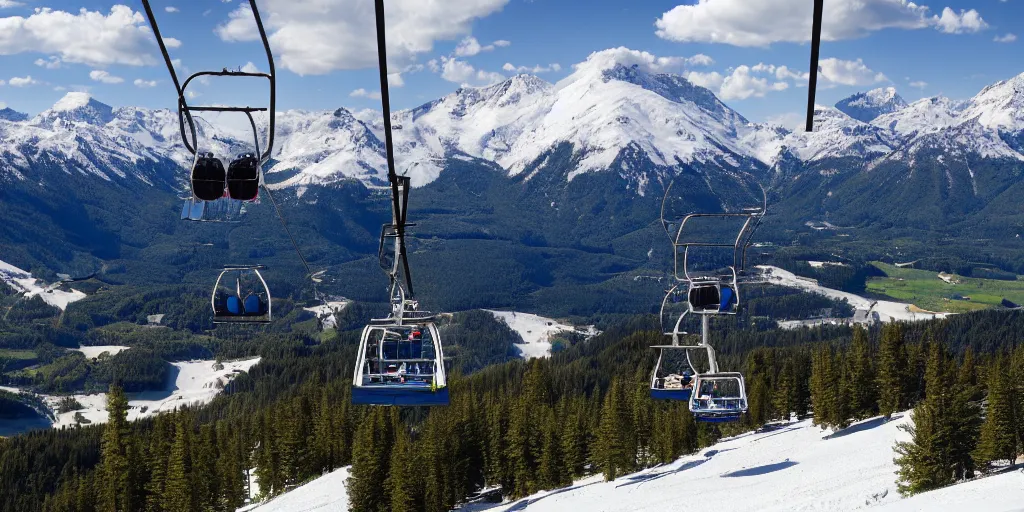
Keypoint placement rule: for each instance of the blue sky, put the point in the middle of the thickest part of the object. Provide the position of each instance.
(325, 56)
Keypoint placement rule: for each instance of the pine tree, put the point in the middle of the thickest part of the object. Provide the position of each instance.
(229, 467)
(783, 396)
(1017, 378)
(204, 468)
(402, 481)
(115, 491)
(860, 376)
(892, 373)
(999, 432)
(550, 470)
(158, 455)
(823, 387)
(324, 436)
(178, 494)
(574, 439)
(611, 451)
(371, 454)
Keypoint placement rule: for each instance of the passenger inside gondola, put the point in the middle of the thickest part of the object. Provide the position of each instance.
(208, 178)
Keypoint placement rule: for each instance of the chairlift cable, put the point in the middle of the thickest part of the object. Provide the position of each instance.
(815, 47)
(295, 244)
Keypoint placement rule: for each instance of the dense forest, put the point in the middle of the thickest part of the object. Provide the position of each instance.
(527, 426)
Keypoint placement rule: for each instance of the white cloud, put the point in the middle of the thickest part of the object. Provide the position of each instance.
(965, 22)
(535, 69)
(98, 75)
(171, 42)
(363, 93)
(2, 83)
(52, 63)
(742, 84)
(432, 64)
(746, 22)
(249, 67)
(144, 83)
(22, 81)
(8, 3)
(328, 35)
(648, 62)
(848, 72)
(463, 73)
(395, 80)
(88, 37)
(488, 77)
(171, 8)
(918, 84)
(192, 95)
(1008, 38)
(455, 70)
(712, 80)
(469, 47)
(789, 120)
(60, 88)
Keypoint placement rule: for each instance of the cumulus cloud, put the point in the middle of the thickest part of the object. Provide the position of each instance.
(742, 84)
(52, 63)
(22, 81)
(327, 35)
(144, 83)
(363, 93)
(469, 46)
(98, 75)
(918, 84)
(952, 22)
(171, 8)
(249, 67)
(395, 80)
(743, 22)
(535, 69)
(710, 80)
(463, 73)
(648, 62)
(171, 42)
(1008, 38)
(88, 37)
(848, 72)
(8, 3)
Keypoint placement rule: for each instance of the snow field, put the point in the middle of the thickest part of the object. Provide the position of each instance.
(537, 331)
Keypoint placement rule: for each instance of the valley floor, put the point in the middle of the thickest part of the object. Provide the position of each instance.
(795, 466)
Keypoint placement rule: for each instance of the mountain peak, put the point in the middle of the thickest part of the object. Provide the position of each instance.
(9, 114)
(866, 106)
(80, 107)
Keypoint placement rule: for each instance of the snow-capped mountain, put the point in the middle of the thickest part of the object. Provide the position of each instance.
(617, 111)
(866, 106)
(8, 114)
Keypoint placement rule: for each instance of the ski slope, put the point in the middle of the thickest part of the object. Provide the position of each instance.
(23, 282)
(792, 467)
(537, 331)
(93, 352)
(888, 311)
(195, 383)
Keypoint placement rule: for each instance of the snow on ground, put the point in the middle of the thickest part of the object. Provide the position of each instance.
(23, 282)
(95, 351)
(537, 331)
(327, 312)
(793, 467)
(196, 382)
(888, 311)
(327, 493)
(1003, 492)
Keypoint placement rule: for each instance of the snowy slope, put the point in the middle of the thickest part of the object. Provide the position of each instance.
(95, 351)
(537, 332)
(23, 282)
(196, 382)
(793, 467)
(887, 311)
(327, 493)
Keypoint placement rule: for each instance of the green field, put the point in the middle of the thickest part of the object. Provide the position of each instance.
(7, 353)
(924, 289)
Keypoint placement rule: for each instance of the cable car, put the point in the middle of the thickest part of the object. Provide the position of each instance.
(400, 364)
(214, 180)
(711, 290)
(241, 296)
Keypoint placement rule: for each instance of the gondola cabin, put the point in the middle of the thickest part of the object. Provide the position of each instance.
(718, 397)
(241, 296)
(671, 379)
(400, 365)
